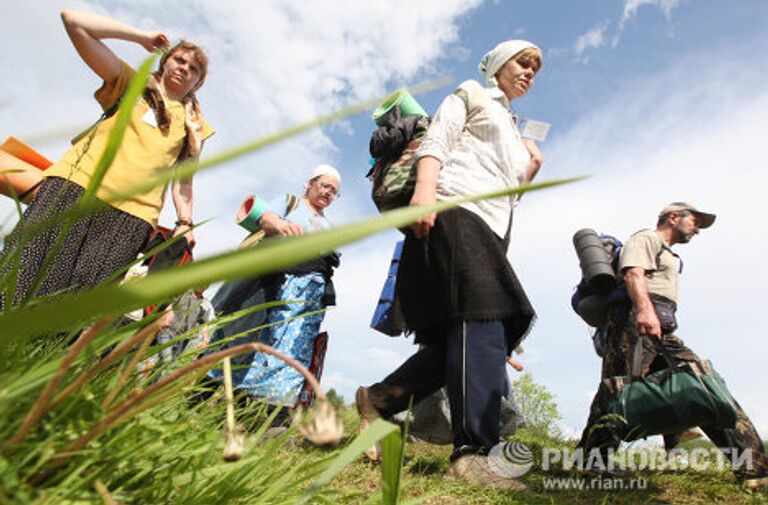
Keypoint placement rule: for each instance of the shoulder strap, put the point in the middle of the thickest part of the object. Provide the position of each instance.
(469, 92)
(462, 93)
(104, 115)
(665, 247)
(291, 203)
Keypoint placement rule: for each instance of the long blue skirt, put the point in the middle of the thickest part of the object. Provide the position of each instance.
(292, 333)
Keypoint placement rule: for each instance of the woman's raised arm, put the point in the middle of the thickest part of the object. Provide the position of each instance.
(86, 30)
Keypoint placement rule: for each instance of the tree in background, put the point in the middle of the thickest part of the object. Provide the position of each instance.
(537, 405)
(335, 399)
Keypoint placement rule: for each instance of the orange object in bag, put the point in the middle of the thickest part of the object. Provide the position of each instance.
(21, 169)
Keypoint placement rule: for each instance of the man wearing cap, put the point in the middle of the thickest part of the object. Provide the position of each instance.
(651, 271)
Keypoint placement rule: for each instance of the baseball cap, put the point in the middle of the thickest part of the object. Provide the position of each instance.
(705, 218)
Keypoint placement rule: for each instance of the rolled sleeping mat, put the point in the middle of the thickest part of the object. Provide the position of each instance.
(402, 99)
(250, 212)
(21, 168)
(595, 261)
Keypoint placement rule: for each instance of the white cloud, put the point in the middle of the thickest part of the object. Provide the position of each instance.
(272, 64)
(632, 6)
(594, 38)
(338, 381)
(386, 357)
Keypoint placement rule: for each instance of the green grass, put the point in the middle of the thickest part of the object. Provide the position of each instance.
(426, 464)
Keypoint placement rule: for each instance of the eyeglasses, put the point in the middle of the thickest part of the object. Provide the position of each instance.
(329, 188)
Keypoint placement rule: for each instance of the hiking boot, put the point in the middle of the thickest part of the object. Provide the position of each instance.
(474, 469)
(689, 435)
(755, 483)
(368, 414)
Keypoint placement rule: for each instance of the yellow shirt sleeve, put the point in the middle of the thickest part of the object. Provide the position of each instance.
(110, 92)
(207, 130)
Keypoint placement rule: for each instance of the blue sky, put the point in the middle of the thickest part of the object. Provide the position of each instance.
(658, 100)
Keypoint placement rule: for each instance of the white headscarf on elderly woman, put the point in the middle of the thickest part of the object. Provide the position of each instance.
(321, 170)
(498, 56)
(325, 169)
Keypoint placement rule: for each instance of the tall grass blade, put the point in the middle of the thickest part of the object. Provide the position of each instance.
(392, 461)
(375, 432)
(269, 257)
(189, 168)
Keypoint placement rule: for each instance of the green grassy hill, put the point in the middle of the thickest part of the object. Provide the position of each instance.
(426, 464)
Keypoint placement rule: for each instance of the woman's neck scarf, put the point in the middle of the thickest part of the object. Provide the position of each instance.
(193, 118)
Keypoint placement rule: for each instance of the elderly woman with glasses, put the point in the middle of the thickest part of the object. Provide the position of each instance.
(291, 327)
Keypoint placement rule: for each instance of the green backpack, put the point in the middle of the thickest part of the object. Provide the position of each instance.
(394, 178)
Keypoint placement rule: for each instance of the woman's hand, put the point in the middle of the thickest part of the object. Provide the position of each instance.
(86, 30)
(423, 196)
(152, 41)
(425, 193)
(272, 224)
(186, 230)
(537, 159)
(518, 366)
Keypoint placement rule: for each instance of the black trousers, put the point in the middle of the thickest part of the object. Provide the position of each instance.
(471, 363)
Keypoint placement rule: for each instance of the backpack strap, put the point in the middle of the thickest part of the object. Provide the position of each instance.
(665, 247)
(291, 203)
(637, 358)
(472, 94)
(104, 116)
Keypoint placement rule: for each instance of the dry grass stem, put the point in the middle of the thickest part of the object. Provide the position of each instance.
(106, 498)
(233, 449)
(121, 410)
(132, 364)
(43, 402)
(110, 358)
(235, 444)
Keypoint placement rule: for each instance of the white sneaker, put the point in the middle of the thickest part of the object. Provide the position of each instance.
(474, 469)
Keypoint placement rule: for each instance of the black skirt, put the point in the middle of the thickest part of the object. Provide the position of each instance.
(96, 246)
(460, 272)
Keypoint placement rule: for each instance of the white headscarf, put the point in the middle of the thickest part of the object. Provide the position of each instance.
(498, 56)
(325, 169)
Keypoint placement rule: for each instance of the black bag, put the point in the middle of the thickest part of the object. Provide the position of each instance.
(671, 400)
(665, 310)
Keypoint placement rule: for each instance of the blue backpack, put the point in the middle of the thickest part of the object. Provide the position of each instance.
(593, 303)
(387, 319)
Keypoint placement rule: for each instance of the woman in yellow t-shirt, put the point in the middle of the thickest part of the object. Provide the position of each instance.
(166, 127)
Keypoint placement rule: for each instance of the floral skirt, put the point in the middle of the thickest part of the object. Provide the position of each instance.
(94, 248)
(290, 331)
